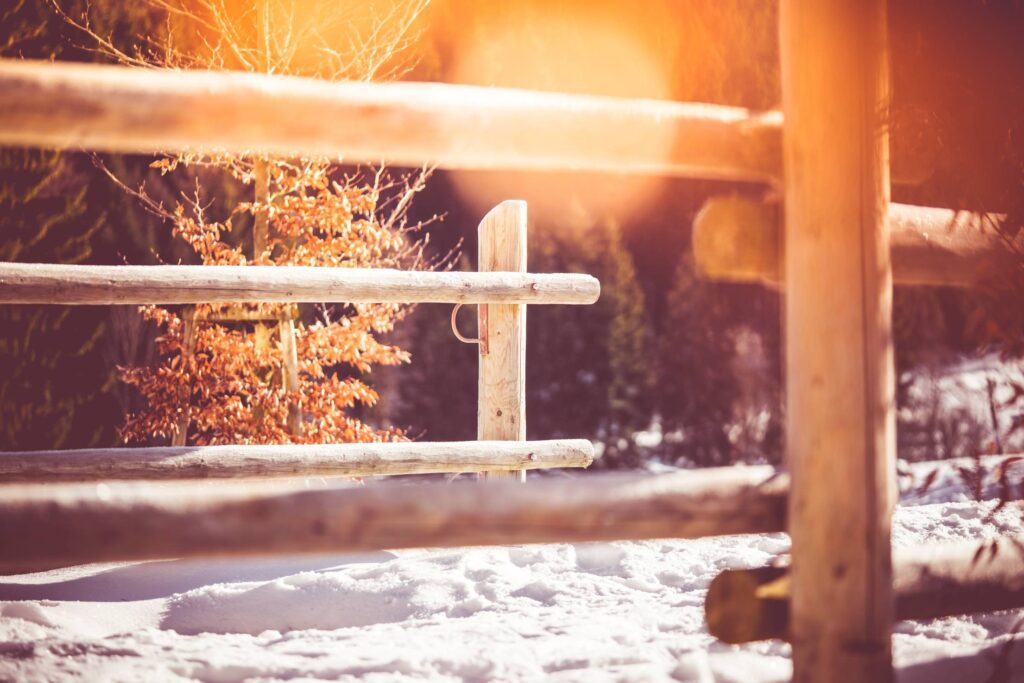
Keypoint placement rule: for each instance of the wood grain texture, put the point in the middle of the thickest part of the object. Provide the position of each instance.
(290, 374)
(840, 403)
(226, 462)
(120, 109)
(501, 400)
(47, 524)
(930, 582)
(946, 579)
(739, 240)
(189, 334)
(39, 283)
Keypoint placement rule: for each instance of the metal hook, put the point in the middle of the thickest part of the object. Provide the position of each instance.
(482, 341)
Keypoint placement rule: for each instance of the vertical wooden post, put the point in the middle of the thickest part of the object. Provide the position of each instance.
(261, 172)
(839, 364)
(290, 374)
(190, 321)
(501, 406)
(261, 232)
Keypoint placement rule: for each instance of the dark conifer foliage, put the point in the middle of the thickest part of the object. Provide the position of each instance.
(56, 374)
(44, 217)
(434, 397)
(588, 368)
(696, 388)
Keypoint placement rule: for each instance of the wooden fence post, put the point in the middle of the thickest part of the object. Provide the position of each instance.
(290, 374)
(501, 402)
(840, 422)
(190, 322)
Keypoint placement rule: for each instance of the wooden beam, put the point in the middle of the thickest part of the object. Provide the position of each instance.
(747, 605)
(840, 386)
(290, 381)
(39, 283)
(930, 582)
(501, 386)
(353, 459)
(943, 580)
(46, 524)
(191, 337)
(739, 240)
(120, 109)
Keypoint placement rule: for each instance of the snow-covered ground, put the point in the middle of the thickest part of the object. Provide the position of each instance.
(948, 408)
(605, 612)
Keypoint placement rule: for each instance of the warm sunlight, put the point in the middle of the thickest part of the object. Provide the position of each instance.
(512, 341)
(584, 53)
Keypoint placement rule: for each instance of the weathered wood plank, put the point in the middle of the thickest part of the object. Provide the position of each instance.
(190, 336)
(930, 582)
(120, 109)
(46, 524)
(738, 240)
(39, 283)
(290, 380)
(840, 402)
(501, 399)
(355, 459)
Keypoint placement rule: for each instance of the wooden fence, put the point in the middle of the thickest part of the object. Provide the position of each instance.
(503, 289)
(58, 524)
(38, 283)
(837, 601)
(235, 462)
(739, 240)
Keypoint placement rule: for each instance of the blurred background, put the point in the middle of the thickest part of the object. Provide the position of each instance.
(666, 368)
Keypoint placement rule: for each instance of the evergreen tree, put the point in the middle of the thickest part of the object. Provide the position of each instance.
(588, 372)
(435, 396)
(696, 387)
(54, 383)
(50, 358)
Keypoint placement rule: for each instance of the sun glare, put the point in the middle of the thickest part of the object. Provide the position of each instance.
(593, 56)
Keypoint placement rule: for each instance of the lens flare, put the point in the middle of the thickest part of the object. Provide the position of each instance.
(555, 53)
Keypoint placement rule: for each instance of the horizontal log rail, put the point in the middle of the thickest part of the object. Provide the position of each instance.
(38, 283)
(932, 581)
(736, 239)
(355, 459)
(49, 524)
(123, 109)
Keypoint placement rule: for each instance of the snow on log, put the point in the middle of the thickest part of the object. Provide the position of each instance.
(933, 581)
(121, 109)
(47, 524)
(353, 459)
(737, 239)
(965, 578)
(40, 283)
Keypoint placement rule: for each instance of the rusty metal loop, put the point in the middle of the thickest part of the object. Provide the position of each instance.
(455, 327)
